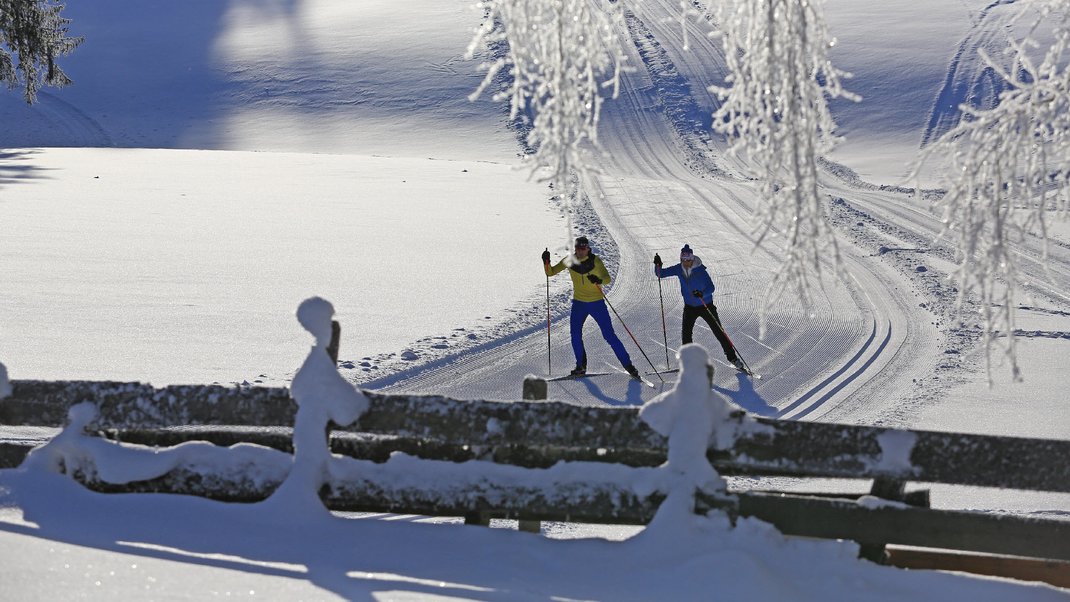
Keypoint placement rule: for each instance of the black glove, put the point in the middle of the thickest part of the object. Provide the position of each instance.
(594, 279)
(657, 260)
(546, 256)
(696, 294)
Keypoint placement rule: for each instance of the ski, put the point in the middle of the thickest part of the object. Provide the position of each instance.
(576, 376)
(640, 379)
(746, 370)
(643, 380)
(617, 370)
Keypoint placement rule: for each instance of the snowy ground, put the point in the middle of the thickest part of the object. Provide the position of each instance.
(388, 193)
(198, 279)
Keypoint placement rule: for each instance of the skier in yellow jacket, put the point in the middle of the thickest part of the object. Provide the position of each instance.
(588, 275)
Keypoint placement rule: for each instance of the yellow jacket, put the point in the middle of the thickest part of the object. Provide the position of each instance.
(582, 288)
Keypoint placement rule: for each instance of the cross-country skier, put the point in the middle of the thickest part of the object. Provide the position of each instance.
(588, 274)
(697, 288)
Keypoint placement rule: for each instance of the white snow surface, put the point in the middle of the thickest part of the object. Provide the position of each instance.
(216, 163)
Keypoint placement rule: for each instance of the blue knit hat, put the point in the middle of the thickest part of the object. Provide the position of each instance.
(686, 253)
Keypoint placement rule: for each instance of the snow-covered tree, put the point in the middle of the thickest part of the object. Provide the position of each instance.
(775, 109)
(32, 35)
(1010, 168)
(1010, 162)
(559, 55)
(561, 52)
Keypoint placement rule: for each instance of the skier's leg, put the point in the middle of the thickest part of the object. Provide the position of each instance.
(576, 320)
(600, 313)
(714, 321)
(687, 324)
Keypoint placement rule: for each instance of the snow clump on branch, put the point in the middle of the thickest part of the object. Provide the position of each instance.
(560, 53)
(1010, 168)
(775, 107)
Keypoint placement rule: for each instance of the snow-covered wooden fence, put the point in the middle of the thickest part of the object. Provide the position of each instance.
(438, 456)
(324, 443)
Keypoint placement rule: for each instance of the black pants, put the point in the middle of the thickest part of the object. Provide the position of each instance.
(708, 313)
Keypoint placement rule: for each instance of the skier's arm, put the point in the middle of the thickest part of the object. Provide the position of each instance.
(673, 270)
(601, 271)
(554, 269)
(704, 286)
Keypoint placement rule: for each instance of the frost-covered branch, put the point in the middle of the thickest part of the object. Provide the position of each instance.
(775, 107)
(1010, 168)
(560, 55)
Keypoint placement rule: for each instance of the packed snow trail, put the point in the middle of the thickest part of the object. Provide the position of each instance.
(878, 340)
(661, 185)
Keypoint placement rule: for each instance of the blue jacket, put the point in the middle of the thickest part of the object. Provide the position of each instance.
(698, 280)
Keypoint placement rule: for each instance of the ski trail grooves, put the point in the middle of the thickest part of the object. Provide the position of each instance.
(658, 188)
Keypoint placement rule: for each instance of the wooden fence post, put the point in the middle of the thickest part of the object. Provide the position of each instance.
(887, 489)
(336, 336)
(535, 389)
(332, 351)
(529, 526)
(477, 518)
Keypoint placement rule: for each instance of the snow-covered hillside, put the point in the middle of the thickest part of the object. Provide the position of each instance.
(217, 162)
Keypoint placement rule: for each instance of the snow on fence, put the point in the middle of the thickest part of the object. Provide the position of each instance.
(513, 460)
(533, 460)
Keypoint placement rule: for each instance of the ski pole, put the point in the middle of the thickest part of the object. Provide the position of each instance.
(725, 333)
(549, 364)
(628, 330)
(664, 331)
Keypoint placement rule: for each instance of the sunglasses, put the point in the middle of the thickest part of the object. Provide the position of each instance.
(582, 247)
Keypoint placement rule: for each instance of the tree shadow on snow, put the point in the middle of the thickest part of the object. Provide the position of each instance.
(171, 88)
(17, 166)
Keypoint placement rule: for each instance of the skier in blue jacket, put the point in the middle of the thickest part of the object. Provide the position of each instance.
(697, 288)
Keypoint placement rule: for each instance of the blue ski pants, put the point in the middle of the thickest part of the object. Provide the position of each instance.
(600, 313)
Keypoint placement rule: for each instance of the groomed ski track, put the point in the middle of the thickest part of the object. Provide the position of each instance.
(864, 343)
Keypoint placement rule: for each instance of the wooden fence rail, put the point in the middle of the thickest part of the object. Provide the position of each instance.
(533, 437)
(539, 433)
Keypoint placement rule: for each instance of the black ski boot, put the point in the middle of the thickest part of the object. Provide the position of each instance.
(631, 369)
(581, 367)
